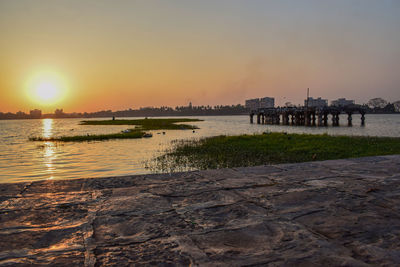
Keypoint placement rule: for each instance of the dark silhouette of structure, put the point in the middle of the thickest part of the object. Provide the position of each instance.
(306, 116)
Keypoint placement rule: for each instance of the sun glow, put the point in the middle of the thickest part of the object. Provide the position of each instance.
(47, 91)
(46, 88)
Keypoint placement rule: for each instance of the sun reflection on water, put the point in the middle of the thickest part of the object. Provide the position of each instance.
(49, 151)
(47, 127)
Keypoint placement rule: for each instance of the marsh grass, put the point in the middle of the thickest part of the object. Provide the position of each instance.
(99, 137)
(149, 124)
(270, 148)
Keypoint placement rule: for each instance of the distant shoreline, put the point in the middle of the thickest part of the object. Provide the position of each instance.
(151, 116)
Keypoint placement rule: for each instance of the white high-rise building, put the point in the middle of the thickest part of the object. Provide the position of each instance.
(255, 103)
(342, 102)
(316, 102)
(267, 102)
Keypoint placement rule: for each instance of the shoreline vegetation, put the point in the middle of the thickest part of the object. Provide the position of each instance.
(141, 125)
(268, 148)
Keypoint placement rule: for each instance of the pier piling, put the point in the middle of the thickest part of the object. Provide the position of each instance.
(362, 119)
(349, 119)
(306, 116)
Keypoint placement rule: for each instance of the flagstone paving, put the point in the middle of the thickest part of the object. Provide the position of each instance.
(334, 213)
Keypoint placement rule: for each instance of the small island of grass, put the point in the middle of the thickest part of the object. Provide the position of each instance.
(149, 124)
(133, 134)
(142, 125)
(270, 148)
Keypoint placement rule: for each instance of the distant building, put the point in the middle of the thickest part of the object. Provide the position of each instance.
(316, 102)
(255, 103)
(36, 113)
(267, 102)
(20, 114)
(342, 102)
(59, 113)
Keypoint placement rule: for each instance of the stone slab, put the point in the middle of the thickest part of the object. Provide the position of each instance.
(334, 213)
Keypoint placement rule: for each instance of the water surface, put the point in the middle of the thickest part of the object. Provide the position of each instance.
(23, 160)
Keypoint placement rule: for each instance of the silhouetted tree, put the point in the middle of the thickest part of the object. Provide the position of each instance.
(396, 106)
(377, 103)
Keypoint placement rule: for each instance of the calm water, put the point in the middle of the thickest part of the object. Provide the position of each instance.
(23, 160)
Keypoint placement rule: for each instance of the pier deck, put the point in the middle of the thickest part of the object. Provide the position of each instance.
(306, 116)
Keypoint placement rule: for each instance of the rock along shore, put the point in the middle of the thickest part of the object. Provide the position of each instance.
(334, 213)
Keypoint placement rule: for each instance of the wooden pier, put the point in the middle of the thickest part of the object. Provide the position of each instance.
(306, 116)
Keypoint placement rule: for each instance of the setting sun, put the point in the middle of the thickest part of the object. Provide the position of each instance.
(47, 91)
(46, 88)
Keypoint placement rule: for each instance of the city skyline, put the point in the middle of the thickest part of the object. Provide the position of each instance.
(380, 104)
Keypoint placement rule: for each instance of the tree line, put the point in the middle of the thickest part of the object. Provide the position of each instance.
(218, 110)
(380, 105)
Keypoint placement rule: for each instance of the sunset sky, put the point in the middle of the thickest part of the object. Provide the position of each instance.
(95, 55)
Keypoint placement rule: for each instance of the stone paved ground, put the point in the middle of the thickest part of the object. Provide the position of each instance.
(333, 213)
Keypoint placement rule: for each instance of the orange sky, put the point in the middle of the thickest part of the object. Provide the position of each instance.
(123, 54)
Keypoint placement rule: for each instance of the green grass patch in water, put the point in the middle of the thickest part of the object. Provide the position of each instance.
(270, 148)
(141, 126)
(98, 137)
(149, 124)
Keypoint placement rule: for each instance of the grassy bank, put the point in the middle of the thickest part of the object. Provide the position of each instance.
(98, 137)
(272, 148)
(149, 124)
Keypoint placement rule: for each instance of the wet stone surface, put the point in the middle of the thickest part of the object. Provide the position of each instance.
(334, 213)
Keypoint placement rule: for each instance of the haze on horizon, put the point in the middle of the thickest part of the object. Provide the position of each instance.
(129, 54)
